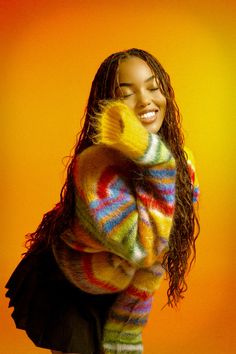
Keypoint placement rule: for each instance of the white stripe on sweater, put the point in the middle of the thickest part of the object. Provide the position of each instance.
(150, 155)
(123, 347)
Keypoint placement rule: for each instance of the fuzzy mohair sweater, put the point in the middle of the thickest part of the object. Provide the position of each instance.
(125, 202)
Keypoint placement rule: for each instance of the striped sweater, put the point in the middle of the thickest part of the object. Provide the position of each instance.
(125, 199)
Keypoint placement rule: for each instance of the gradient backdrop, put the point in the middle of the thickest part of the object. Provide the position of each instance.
(50, 51)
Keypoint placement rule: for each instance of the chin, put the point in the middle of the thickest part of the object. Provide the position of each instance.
(153, 129)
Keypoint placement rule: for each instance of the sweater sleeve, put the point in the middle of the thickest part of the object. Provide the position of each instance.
(129, 314)
(118, 127)
(131, 220)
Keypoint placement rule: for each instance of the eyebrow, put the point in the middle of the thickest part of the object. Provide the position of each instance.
(129, 84)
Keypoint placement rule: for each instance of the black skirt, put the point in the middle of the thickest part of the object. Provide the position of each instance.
(54, 313)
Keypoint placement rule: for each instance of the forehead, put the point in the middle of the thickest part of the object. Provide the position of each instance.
(134, 69)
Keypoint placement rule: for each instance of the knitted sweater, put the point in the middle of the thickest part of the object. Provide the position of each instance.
(125, 198)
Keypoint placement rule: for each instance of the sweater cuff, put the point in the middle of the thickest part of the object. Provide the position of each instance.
(118, 127)
(123, 348)
(124, 342)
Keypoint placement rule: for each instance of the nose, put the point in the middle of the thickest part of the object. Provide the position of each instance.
(143, 99)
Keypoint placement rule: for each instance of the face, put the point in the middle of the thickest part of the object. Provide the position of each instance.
(139, 89)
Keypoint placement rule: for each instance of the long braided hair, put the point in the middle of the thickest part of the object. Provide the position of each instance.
(182, 252)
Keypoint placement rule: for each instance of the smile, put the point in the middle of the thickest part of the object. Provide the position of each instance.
(148, 116)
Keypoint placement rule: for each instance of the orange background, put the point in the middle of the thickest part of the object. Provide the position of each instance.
(50, 51)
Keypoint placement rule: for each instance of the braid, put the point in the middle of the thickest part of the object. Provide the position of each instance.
(182, 251)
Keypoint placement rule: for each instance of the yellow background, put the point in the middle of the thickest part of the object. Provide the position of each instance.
(50, 51)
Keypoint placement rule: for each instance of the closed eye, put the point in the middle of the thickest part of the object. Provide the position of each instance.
(154, 88)
(126, 96)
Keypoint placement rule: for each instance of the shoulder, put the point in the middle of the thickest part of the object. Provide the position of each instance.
(190, 157)
(191, 163)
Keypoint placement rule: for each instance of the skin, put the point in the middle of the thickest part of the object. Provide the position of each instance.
(139, 89)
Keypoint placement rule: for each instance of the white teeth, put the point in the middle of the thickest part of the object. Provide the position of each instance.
(147, 115)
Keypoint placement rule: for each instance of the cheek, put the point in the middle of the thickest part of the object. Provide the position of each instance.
(130, 102)
(162, 102)
(160, 99)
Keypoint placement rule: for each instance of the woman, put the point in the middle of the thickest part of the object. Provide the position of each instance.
(126, 216)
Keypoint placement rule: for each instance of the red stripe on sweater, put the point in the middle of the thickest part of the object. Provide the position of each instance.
(191, 173)
(160, 205)
(105, 179)
(144, 295)
(110, 201)
(86, 261)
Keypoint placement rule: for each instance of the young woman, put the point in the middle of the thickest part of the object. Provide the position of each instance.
(126, 216)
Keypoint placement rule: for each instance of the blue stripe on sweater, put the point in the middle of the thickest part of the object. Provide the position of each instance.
(111, 207)
(110, 200)
(168, 187)
(168, 198)
(110, 224)
(114, 191)
(195, 194)
(165, 173)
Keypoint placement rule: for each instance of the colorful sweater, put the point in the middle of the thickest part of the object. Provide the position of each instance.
(125, 198)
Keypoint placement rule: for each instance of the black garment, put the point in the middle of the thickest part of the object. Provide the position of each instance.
(54, 313)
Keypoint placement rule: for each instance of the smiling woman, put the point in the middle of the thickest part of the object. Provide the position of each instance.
(126, 216)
